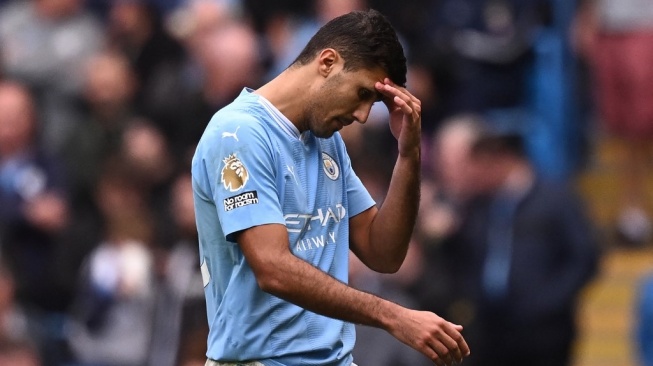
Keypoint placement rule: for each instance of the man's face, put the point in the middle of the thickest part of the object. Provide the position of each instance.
(487, 173)
(344, 97)
(15, 120)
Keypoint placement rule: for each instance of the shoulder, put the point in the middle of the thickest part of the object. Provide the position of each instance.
(245, 111)
(238, 131)
(237, 127)
(238, 120)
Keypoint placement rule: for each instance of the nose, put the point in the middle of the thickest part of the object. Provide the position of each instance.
(362, 112)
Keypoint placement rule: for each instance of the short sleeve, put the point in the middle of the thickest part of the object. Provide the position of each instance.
(239, 161)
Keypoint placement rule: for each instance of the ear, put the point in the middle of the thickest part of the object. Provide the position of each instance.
(328, 60)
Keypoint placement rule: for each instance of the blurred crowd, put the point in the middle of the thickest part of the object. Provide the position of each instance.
(102, 102)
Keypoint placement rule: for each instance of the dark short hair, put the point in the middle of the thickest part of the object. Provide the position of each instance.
(365, 39)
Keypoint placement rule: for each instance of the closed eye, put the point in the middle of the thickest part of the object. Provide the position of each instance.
(366, 95)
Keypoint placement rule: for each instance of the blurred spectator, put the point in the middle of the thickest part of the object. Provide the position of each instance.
(524, 251)
(110, 127)
(226, 57)
(197, 17)
(111, 320)
(33, 203)
(136, 29)
(288, 29)
(165, 7)
(487, 49)
(180, 308)
(149, 160)
(131, 194)
(45, 43)
(446, 189)
(644, 320)
(616, 39)
(107, 108)
(34, 213)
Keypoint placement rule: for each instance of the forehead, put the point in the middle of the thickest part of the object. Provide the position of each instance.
(366, 76)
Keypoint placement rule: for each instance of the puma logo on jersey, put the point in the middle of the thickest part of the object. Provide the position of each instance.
(234, 175)
(231, 134)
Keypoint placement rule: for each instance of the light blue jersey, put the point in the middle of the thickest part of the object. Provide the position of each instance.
(253, 167)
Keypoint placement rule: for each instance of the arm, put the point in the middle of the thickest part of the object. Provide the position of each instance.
(380, 237)
(280, 273)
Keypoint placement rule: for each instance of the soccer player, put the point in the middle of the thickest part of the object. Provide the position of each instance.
(278, 207)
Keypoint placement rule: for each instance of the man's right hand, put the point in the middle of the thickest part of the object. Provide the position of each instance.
(440, 340)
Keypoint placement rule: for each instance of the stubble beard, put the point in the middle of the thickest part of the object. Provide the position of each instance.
(319, 127)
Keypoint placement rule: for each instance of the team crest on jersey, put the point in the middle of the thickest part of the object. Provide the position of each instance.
(234, 175)
(330, 166)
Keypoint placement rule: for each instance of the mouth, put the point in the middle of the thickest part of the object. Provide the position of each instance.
(344, 122)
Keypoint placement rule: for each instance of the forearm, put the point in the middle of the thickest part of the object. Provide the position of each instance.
(393, 225)
(302, 284)
(316, 291)
(380, 237)
(282, 274)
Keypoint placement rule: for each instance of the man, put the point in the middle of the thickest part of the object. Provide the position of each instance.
(34, 215)
(520, 259)
(279, 207)
(34, 208)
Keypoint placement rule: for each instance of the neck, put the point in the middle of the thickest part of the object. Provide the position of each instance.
(288, 92)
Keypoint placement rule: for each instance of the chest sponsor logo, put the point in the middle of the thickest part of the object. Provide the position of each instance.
(330, 166)
(234, 175)
(297, 223)
(243, 199)
(310, 240)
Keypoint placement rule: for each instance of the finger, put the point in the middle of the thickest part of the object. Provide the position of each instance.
(461, 347)
(450, 339)
(438, 361)
(448, 360)
(403, 90)
(403, 105)
(391, 90)
(408, 104)
(462, 344)
(403, 100)
(464, 347)
(432, 355)
(444, 353)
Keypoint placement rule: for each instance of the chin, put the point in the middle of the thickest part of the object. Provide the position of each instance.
(324, 134)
